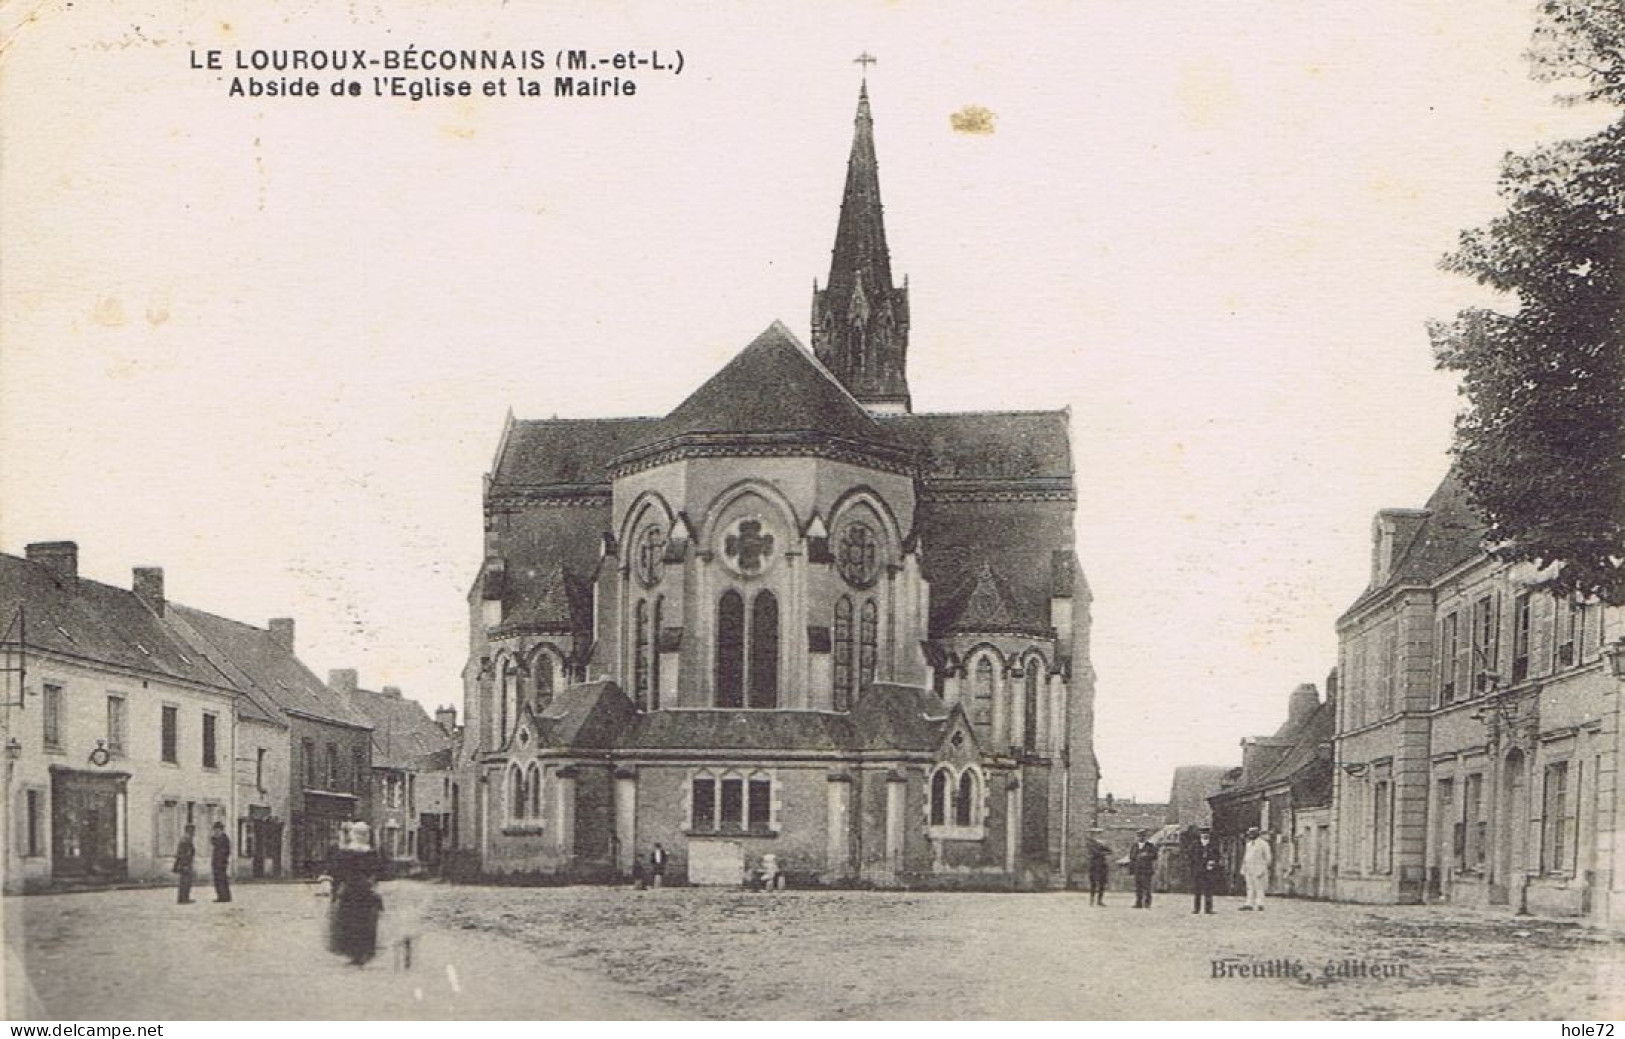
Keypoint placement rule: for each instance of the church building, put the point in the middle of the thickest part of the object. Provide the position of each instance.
(793, 621)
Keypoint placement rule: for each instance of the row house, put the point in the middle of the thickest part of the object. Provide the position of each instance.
(128, 717)
(1284, 788)
(1478, 738)
(403, 737)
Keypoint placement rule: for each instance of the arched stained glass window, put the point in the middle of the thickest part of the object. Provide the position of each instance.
(982, 704)
(533, 787)
(764, 651)
(965, 800)
(939, 797)
(1029, 706)
(730, 665)
(869, 636)
(640, 654)
(654, 656)
(842, 662)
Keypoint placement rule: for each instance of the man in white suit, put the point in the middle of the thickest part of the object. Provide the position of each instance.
(1255, 868)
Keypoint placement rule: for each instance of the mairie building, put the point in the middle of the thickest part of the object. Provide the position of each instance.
(791, 618)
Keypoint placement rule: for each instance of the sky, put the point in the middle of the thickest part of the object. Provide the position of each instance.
(269, 344)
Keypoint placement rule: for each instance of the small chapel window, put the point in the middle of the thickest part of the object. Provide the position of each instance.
(939, 797)
(965, 799)
(759, 803)
(705, 803)
(731, 810)
(533, 785)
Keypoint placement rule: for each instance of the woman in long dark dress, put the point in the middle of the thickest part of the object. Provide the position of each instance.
(353, 919)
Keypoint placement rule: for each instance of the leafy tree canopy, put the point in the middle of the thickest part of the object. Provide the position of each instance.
(1540, 444)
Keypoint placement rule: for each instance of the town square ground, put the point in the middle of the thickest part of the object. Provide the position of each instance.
(584, 952)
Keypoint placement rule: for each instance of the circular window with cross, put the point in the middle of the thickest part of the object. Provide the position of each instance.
(748, 546)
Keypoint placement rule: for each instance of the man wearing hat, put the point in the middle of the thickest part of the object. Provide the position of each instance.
(1207, 867)
(1142, 862)
(1099, 867)
(1255, 868)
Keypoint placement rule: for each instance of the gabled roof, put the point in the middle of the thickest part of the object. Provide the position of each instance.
(982, 603)
(402, 731)
(97, 622)
(273, 671)
(1013, 543)
(774, 385)
(899, 717)
(1300, 755)
(588, 716)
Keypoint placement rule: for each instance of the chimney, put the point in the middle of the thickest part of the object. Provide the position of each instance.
(282, 631)
(391, 691)
(149, 587)
(59, 557)
(342, 680)
(446, 718)
(1302, 703)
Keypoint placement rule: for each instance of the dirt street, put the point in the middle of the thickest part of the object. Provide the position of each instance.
(487, 952)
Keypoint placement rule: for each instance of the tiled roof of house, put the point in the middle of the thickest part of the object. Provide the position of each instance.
(402, 731)
(97, 622)
(274, 670)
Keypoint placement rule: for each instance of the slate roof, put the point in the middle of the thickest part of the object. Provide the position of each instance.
(1450, 533)
(402, 731)
(774, 385)
(983, 445)
(1017, 553)
(551, 556)
(97, 622)
(274, 672)
(565, 452)
(1299, 756)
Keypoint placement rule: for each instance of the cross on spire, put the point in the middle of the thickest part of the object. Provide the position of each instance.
(866, 59)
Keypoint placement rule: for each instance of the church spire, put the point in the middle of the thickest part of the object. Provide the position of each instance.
(860, 319)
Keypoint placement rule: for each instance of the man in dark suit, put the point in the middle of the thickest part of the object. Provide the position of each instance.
(220, 862)
(657, 866)
(184, 872)
(1207, 867)
(1142, 862)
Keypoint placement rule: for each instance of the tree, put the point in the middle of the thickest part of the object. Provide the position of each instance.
(1540, 444)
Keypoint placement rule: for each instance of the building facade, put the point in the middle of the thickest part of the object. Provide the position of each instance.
(407, 745)
(790, 618)
(1478, 737)
(1284, 787)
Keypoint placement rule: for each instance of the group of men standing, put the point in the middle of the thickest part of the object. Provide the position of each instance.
(1207, 869)
(219, 864)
